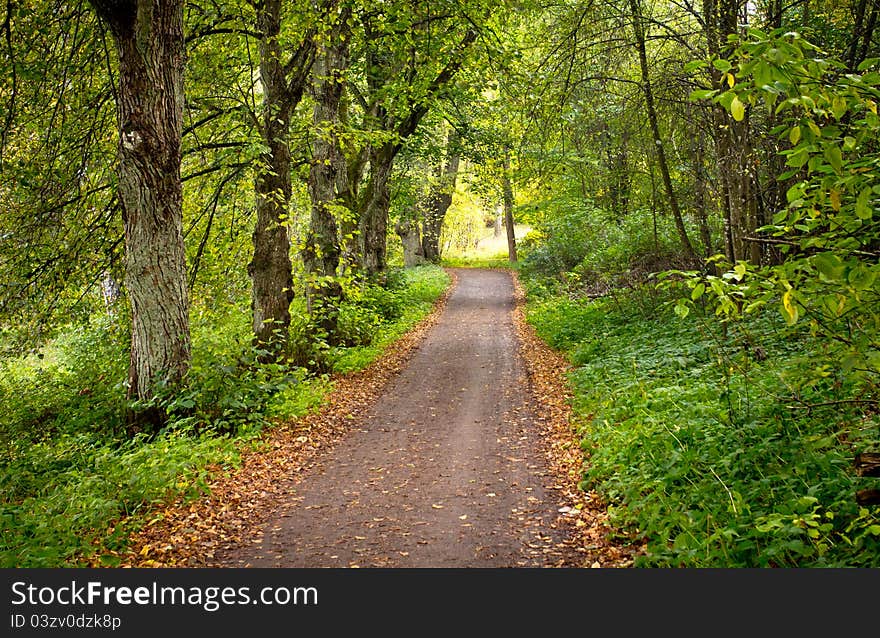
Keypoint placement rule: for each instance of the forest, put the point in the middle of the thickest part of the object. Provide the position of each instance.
(212, 211)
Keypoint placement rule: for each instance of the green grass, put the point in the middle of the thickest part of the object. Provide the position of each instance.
(478, 262)
(68, 471)
(489, 252)
(694, 436)
(414, 291)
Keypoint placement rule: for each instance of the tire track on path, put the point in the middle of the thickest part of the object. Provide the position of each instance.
(444, 470)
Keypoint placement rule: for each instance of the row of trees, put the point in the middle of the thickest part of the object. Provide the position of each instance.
(189, 150)
(631, 120)
(179, 119)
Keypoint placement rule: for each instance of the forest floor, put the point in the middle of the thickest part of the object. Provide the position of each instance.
(452, 450)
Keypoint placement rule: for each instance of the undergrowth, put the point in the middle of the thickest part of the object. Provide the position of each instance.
(69, 471)
(718, 446)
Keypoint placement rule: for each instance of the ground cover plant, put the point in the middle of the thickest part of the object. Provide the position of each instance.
(70, 469)
(719, 447)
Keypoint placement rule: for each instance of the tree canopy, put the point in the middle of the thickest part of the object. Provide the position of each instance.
(175, 169)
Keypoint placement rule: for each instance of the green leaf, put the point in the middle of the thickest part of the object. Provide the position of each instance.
(794, 135)
(789, 309)
(798, 158)
(737, 109)
(862, 277)
(702, 94)
(833, 155)
(829, 265)
(838, 106)
(794, 193)
(722, 65)
(698, 291)
(863, 210)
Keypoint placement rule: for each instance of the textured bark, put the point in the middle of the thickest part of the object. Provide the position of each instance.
(374, 204)
(440, 200)
(374, 215)
(639, 32)
(270, 269)
(700, 193)
(507, 197)
(150, 44)
(732, 142)
(328, 177)
(411, 239)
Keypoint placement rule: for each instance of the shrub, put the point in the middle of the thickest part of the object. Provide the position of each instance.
(699, 436)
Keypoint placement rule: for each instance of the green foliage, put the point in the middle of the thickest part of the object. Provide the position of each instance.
(388, 312)
(575, 242)
(73, 384)
(703, 441)
(69, 473)
(61, 496)
(828, 130)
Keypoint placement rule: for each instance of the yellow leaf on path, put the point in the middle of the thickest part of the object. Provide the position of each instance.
(437, 507)
(463, 517)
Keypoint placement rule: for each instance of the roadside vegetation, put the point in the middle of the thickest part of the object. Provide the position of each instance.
(68, 468)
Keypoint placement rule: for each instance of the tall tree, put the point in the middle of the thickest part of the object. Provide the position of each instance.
(150, 46)
(393, 64)
(328, 176)
(283, 81)
(638, 25)
(507, 199)
(440, 198)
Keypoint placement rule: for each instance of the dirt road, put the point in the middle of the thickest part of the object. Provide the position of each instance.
(445, 470)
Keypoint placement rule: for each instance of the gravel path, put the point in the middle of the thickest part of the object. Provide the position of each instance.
(443, 471)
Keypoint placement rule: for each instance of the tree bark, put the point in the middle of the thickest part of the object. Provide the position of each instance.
(271, 269)
(150, 44)
(700, 192)
(374, 215)
(410, 237)
(639, 32)
(374, 205)
(507, 197)
(328, 178)
(718, 22)
(440, 200)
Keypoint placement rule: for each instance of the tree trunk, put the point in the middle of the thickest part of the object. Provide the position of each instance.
(719, 22)
(328, 177)
(655, 130)
(734, 151)
(700, 192)
(270, 268)
(150, 43)
(373, 213)
(868, 35)
(507, 197)
(374, 217)
(440, 200)
(410, 237)
(856, 38)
